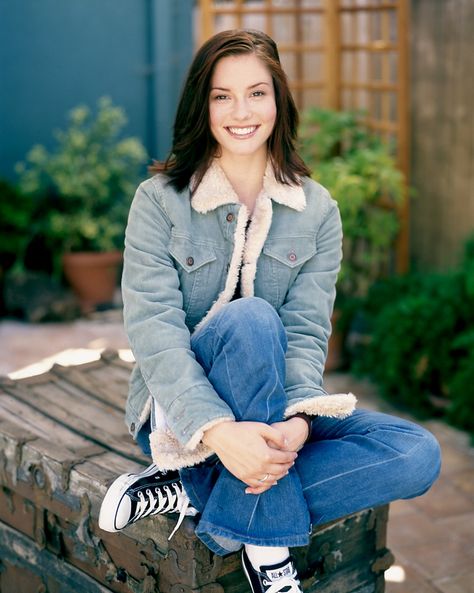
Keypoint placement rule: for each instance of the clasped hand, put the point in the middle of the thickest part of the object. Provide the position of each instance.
(251, 450)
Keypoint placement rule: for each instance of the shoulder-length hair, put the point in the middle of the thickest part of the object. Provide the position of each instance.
(193, 143)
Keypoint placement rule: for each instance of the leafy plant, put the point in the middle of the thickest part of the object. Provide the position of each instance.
(361, 175)
(412, 341)
(461, 385)
(16, 213)
(421, 349)
(85, 185)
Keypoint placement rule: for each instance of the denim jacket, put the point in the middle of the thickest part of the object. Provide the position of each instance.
(183, 256)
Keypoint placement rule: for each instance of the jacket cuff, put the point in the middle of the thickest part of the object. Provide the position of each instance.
(192, 410)
(168, 453)
(339, 405)
(195, 440)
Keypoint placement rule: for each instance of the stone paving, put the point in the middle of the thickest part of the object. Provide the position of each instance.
(432, 537)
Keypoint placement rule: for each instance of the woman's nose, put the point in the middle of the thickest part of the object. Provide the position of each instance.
(241, 109)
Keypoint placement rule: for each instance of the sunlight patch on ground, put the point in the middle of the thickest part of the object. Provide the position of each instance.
(395, 574)
(69, 357)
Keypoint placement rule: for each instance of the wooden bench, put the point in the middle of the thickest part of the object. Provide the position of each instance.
(62, 439)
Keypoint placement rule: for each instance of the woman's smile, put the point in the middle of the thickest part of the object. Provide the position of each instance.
(241, 133)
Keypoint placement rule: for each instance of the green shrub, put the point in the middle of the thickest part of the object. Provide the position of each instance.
(16, 222)
(85, 185)
(422, 340)
(411, 342)
(461, 386)
(357, 167)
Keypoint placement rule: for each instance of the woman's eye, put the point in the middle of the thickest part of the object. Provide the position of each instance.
(258, 94)
(220, 97)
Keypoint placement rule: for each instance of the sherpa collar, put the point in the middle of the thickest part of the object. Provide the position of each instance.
(216, 190)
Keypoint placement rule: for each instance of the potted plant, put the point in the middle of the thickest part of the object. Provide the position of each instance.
(358, 169)
(84, 187)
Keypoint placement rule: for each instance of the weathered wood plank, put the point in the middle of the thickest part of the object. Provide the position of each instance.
(18, 550)
(48, 474)
(54, 471)
(110, 390)
(74, 382)
(20, 413)
(100, 425)
(62, 401)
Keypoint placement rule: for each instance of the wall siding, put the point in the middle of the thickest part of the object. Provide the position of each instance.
(55, 55)
(442, 161)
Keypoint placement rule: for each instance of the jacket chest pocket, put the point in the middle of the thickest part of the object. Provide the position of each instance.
(199, 272)
(279, 265)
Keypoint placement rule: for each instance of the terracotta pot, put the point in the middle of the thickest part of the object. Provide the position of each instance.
(92, 276)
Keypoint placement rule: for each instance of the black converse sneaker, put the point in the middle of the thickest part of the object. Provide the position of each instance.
(135, 496)
(278, 578)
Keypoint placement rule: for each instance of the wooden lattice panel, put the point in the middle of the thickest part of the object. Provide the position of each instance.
(340, 54)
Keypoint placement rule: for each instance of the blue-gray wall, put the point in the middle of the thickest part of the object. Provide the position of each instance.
(56, 54)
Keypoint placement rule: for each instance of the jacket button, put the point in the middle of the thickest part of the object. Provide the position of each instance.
(230, 217)
(132, 426)
(190, 261)
(292, 256)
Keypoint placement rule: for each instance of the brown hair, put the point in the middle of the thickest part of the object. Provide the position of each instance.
(193, 144)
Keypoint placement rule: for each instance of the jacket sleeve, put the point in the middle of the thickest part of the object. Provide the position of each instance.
(306, 315)
(155, 324)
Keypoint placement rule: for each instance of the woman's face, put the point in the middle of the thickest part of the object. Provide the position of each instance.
(242, 107)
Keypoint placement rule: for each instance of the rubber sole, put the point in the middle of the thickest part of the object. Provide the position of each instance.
(112, 501)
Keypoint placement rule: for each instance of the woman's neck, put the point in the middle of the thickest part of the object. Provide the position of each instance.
(245, 176)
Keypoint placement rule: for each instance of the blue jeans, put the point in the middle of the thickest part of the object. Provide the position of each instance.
(362, 461)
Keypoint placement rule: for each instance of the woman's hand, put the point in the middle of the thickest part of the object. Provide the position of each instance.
(295, 430)
(250, 451)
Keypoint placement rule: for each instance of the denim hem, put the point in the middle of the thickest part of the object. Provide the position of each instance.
(190, 491)
(211, 543)
(205, 530)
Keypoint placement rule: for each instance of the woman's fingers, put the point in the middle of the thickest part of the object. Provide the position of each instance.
(277, 469)
(257, 489)
(276, 462)
(244, 449)
(272, 479)
(273, 436)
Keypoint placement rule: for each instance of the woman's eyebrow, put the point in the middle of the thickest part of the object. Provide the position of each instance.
(220, 88)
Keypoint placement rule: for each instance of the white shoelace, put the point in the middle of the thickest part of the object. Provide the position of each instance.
(290, 581)
(173, 502)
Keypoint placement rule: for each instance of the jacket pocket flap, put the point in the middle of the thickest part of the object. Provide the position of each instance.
(190, 255)
(291, 252)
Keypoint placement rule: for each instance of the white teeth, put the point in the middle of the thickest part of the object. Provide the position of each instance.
(242, 131)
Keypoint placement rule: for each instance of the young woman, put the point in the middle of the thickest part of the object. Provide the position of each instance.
(231, 259)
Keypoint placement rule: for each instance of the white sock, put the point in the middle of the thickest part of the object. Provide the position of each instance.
(265, 555)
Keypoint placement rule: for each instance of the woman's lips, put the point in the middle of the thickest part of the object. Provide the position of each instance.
(242, 132)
